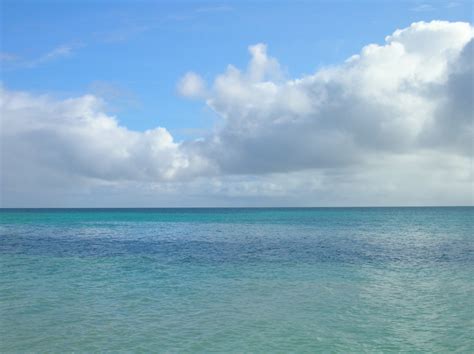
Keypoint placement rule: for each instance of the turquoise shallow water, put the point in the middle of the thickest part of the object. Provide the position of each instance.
(237, 280)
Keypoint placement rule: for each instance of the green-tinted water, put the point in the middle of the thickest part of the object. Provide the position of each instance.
(259, 280)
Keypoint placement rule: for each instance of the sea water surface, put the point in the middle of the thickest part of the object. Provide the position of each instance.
(237, 280)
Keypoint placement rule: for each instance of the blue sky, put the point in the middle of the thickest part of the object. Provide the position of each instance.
(238, 103)
(134, 52)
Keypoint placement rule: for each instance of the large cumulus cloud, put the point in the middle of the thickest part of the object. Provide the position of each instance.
(391, 125)
(76, 137)
(394, 97)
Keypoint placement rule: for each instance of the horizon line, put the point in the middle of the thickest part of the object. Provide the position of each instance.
(249, 207)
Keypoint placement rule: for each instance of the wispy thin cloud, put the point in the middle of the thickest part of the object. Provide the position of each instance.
(115, 95)
(8, 57)
(423, 8)
(175, 17)
(57, 53)
(14, 61)
(200, 11)
(217, 8)
(452, 4)
(126, 33)
(130, 30)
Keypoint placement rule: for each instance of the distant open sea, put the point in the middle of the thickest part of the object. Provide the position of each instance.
(237, 280)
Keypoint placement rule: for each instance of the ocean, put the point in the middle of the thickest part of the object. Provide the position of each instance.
(237, 280)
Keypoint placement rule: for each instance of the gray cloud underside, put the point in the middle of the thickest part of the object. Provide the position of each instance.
(391, 125)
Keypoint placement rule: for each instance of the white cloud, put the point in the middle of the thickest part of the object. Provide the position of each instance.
(384, 99)
(217, 8)
(192, 86)
(7, 57)
(12, 61)
(77, 138)
(391, 125)
(423, 8)
(62, 51)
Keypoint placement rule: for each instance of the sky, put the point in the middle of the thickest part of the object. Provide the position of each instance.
(238, 103)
